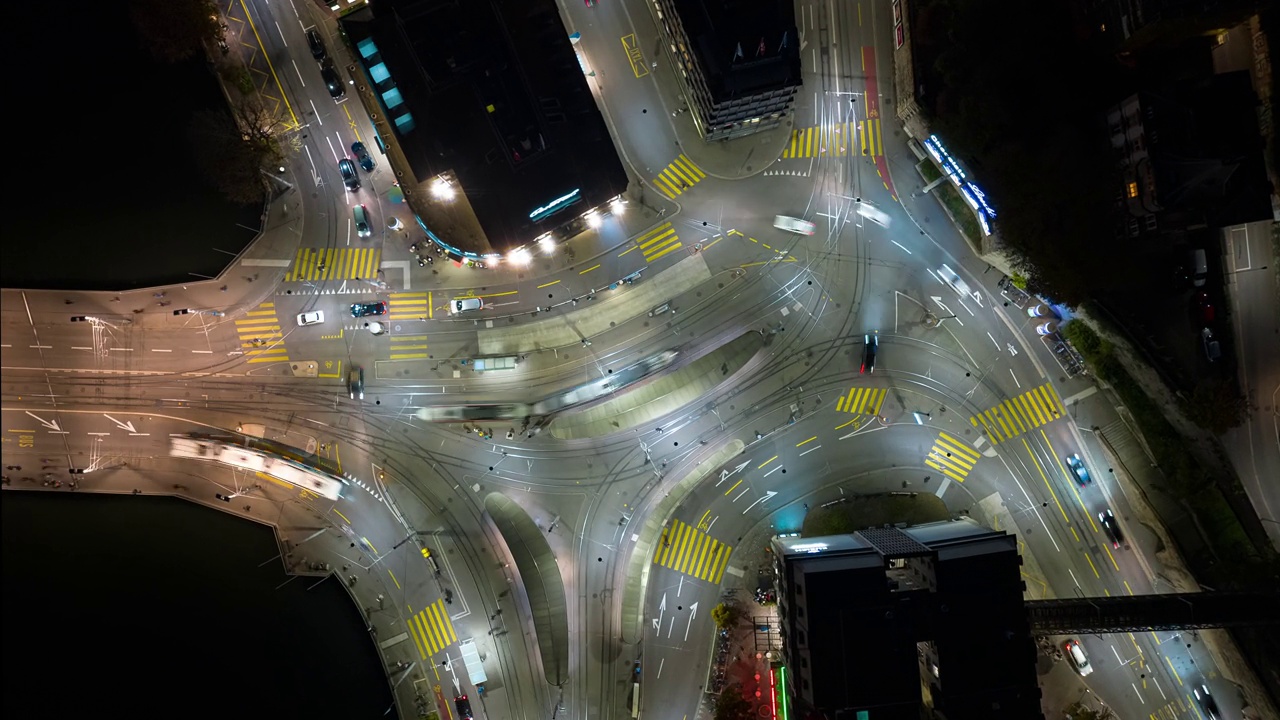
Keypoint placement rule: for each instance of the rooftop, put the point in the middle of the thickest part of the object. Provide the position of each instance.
(743, 46)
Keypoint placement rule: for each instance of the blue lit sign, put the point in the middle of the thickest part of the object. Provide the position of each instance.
(972, 193)
(984, 222)
(555, 205)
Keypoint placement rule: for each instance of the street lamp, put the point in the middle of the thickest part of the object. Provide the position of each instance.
(442, 190)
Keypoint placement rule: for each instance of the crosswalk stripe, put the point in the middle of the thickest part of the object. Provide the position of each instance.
(690, 551)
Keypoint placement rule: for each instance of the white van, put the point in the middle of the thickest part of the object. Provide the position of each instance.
(1199, 268)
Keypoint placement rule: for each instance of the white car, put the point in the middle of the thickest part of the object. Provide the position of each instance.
(795, 225)
(949, 276)
(311, 318)
(1075, 653)
(467, 304)
(874, 214)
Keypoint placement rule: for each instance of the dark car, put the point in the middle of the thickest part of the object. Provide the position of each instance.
(1111, 527)
(332, 82)
(317, 45)
(870, 345)
(350, 177)
(366, 309)
(355, 383)
(362, 156)
(463, 706)
(1212, 350)
(1079, 470)
(1207, 703)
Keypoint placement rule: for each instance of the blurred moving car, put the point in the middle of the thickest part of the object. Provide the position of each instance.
(1207, 703)
(361, 215)
(1075, 653)
(873, 213)
(795, 225)
(332, 82)
(349, 176)
(870, 345)
(954, 281)
(317, 45)
(463, 706)
(1212, 350)
(1111, 527)
(362, 156)
(355, 383)
(310, 318)
(366, 309)
(461, 305)
(1079, 470)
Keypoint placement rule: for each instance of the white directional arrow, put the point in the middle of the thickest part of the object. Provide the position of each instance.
(767, 495)
(123, 425)
(662, 609)
(51, 425)
(726, 474)
(938, 299)
(1012, 349)
(692, 615)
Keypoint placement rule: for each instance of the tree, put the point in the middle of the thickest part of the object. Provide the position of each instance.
(724, 615)
(731, 705)
(230, 163)
(175, 30)
(1080, 711)
(1217, 405)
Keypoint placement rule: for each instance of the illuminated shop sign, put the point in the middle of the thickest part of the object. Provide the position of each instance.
(972, 193)
(555, 206)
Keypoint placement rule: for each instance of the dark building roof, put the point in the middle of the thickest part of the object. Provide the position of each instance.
(868, 598)
(743, 46)
(493, 92)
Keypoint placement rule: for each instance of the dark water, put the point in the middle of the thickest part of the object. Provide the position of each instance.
(101, 191)
(146, 607)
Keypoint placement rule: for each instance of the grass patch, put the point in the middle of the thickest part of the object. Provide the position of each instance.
(928, 171)
(864, 511)
(950, 197)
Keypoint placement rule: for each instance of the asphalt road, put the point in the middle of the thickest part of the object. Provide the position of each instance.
(810, 428)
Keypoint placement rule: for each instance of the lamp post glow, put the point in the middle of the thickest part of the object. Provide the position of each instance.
(442, 189)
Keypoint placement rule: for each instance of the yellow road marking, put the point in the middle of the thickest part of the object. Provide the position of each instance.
(553, 282)
(815, 437)
(593, 267)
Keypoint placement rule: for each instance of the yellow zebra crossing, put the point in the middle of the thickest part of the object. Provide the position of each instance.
(688, 550)
(836, 140)
(260, 335)
(658, 242)
(400, 343)
(1033, 408)
(951, 457)
(862, 401)
(432, 629)
(319, 264)
(409, 306)
(677, 177)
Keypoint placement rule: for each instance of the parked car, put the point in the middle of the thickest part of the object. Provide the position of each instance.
(361, 215)
(1205, 311)
(310, 318)
(461, 305)
(795, 225)
(366, 309)
(332, 82)
(362, 156)
(355, 383)
(1111, 527)
(1079, 470)
(1077, 657)
(349, 176)
(870, 345)
(317, 45)
(1212, 350)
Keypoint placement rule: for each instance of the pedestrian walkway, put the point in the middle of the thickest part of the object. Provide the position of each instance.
(836, 140)
(401, 343)
(410, 306)
(319, 264)
(260, 335)
(657, 242)
(1033, 408)
(951, 457)
(432, 629)
(680, 175)
(688, 550)
(862, 401)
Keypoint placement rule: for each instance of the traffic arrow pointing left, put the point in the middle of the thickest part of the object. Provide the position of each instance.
(123, 425)
(51, 425)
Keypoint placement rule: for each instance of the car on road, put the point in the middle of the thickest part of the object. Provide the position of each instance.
(317, 45)
(463, 706)
(362, 156)
(315, 317)
(361, 215)
(795, 225)
(1207, 703)
(366, 309)
(873, 213)
(870, 345)
(1212, 350)
(1204, 308)
(349, 176)
(1075, 653)
(1111, 527)
(332, 82)
(1079, 470)
(461, 305)
(954, 281)
(355, 383)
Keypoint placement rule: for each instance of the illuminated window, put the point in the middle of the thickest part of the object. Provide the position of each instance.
(1133, 189)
